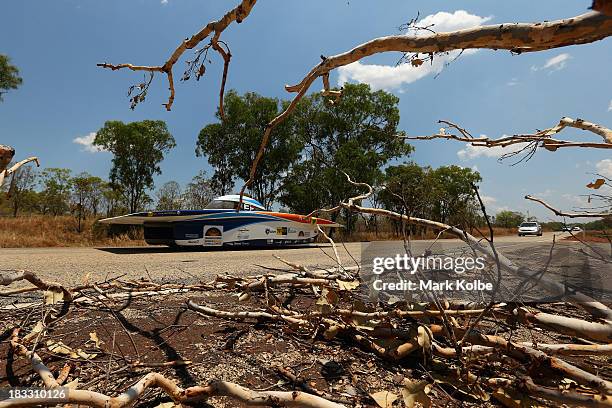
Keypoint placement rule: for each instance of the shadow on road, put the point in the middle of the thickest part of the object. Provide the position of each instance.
(167, 250)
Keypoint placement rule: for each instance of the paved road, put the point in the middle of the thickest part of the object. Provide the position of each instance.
(69, 266)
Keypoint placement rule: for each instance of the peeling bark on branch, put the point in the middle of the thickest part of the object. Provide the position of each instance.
(515, 37)
(567, 325)
(566, 397)
(603, 6)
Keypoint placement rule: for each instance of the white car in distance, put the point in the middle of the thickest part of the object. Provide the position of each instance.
(530, 228)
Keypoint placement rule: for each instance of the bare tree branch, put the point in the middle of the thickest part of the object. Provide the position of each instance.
(603, 6)
(237, 14)
(542, 138)
(568, 214)
(594, 307)
(515, 37)
(6, 173)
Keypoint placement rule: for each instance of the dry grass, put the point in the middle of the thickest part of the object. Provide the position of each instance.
(61, 231)
(386, 235)
(604, 237)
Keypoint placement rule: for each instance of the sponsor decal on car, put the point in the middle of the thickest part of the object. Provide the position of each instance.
(213, 235)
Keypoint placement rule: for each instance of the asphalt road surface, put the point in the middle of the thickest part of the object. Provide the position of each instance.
(70, 266)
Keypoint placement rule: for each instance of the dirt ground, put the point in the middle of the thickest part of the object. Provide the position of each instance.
(129, 339)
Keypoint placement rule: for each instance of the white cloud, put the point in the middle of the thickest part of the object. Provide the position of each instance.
(492, 205)
(545, 193)
(576, 201)
(444, 21)
(384, 76)
(512, 82)
(393, 77)
(604, 167)
(87, 143)
(610, 106)
(488, 200)
(472, 152)
(555, 63)
(164, 1)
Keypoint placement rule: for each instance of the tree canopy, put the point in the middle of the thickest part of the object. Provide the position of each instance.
(445, 193)
(9, 75)
(357, 135)
(138, 148)
(169, 196)
(509, 219)
(231, 144)
(56, 183)
(198, 192)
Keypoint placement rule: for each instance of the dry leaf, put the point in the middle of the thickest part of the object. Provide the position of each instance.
(425, 337)
(512, 398)
(81, 354)
(384, 399)
(93, 336)
(331, 332)
(326, 300)
(38, 328)
(473, 390)
(58, 347)
(596, 184)
(415, 392)
(167, 405)
(85, 279)
(53, 296)
(347, 285)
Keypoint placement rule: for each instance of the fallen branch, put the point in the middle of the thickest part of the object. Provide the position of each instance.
(156, 380)
(523, 352)
(594, 307)
(8, 278)
(208, 311)
(566, 397)
(567, 325)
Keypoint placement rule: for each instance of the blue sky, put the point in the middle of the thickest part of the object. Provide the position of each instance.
(56, 45)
